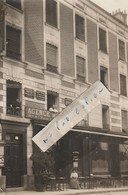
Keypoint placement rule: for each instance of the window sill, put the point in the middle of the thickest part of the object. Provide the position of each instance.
(16, 9)
(104, 52)
(51, 26)
(122, 61)
(81, 41)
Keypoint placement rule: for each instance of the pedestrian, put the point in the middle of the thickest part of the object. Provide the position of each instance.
(74, 182)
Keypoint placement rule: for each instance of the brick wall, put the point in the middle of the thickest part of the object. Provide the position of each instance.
(92, 51)
(113, 62)
(34, 31)
(67, 41)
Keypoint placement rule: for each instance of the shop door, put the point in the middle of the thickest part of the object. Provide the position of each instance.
(13, 160)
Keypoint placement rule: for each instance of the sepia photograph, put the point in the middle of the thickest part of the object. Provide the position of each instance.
(63, 97)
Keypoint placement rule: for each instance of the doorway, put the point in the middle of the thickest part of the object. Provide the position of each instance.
(13, 160)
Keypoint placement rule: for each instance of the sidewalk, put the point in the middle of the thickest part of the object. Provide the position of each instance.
(68, 192)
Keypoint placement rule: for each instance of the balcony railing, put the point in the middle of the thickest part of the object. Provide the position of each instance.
(15, 111)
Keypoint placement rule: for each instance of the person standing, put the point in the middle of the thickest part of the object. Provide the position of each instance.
(74, 183)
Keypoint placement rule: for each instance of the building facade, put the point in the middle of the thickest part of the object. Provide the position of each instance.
(50, 52)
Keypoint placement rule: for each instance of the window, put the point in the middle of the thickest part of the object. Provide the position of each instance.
(13, 98)
(102, 40)
(14, 3)
(124, 117)
(80, 32)
(121, 50)
(80, 62)
(13, 43)
(104, 76)
(51, 12)
(105, 116)
(52, 100)
(51, 58)
(123, 90)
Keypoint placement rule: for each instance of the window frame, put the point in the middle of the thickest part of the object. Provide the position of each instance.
(81, 77)
(50, 18)
(122, 55)
(102, 40)
(105, 70)
(123, 86)
(124, 120)
(51, 50)
(105, 117)
(15, 55)
(79, 27)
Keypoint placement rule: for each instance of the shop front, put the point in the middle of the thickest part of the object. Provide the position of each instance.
(15, 153)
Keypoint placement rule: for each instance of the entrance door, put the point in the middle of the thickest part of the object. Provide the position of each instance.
(13, 160)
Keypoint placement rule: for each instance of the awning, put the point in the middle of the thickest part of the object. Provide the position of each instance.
(111, 134)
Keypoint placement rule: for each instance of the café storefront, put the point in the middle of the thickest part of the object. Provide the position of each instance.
(99, 156)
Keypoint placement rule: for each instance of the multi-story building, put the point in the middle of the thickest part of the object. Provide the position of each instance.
(50, 52)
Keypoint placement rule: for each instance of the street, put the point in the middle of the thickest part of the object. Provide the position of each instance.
(113, 193)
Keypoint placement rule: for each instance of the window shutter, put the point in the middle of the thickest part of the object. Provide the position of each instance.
(51, 12)
(80, 32)
(51, 55)
(13, 42)
(121, 50)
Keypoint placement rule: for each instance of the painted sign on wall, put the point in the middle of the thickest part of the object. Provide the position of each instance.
(70, 116)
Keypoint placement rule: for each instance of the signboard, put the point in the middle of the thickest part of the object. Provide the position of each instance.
(36, 113)
(70, 116)
(29, 93)
(40, 95)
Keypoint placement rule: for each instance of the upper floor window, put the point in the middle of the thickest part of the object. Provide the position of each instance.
(52, 101)
(51, 12)
(123, 86)
(14, 3)
(13, 43)
(104, 76)
(80, 31)
(51, 58)
(121, 50)
(124, 116)
(105, 116)
(13, 98)
(102, 40)
(80, 62)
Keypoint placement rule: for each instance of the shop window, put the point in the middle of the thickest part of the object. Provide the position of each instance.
(52, 101)
(104, 76)
(14, 3)
(100, 157)
(80, 31)
(124, 116)
(13, 43)
(13, 98)
(121, 50)
(51, 58)
(80, 62)
(123, 89)
(123, 149)
(51, 12)
(102, 40)
(105, 116)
